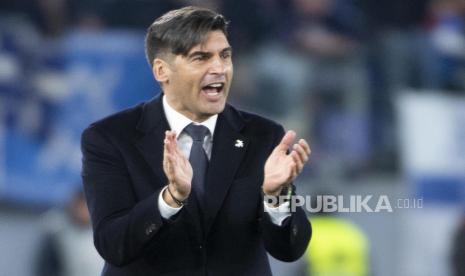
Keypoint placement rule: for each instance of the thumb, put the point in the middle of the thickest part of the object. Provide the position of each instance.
(286, 141)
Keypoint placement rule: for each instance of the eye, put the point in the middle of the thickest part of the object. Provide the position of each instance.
(200, 58)
(226, 55)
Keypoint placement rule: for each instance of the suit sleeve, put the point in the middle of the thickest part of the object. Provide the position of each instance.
(289, 241)
(123, 227)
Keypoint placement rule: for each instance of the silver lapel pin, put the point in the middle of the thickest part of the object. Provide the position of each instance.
(239, 144)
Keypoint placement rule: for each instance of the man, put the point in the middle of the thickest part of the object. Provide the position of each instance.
(175, 186)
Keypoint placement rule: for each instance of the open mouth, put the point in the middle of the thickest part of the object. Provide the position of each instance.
(213, 90)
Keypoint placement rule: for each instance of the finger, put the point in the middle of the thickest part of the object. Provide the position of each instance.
(173, 143)
(178, 151)
(171, 155)
(167, 140)
(173, 136)
(165, 162)
(286, 141)
(305, 146)
(294, 172)
(297, 160)
(169, 166)
(167, 134)
(174, 148)
(171, 160)
(168, 147)
(165, 153)
(302, 154)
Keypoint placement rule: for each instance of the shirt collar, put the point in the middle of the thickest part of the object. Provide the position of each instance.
(178, 121)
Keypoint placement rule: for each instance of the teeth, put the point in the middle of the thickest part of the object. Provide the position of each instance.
(216, 85)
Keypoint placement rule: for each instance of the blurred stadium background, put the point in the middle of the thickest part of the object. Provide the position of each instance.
(377, 87)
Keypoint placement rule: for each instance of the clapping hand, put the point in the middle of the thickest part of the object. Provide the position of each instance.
(177, 169)
(282, 168)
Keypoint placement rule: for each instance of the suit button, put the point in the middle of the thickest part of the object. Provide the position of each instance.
(200, 246)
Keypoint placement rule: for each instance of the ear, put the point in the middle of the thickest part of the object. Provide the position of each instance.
(161, 70)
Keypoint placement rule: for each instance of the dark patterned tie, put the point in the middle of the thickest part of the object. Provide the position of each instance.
(198, 157)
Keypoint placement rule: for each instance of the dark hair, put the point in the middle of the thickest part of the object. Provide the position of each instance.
(177, 31)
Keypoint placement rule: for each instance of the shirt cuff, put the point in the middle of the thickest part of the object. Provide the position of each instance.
(166, 211)
(278, 214)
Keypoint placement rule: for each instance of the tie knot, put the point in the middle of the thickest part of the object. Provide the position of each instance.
(197, 132)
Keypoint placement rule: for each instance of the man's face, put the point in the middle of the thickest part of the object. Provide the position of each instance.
(198, 83)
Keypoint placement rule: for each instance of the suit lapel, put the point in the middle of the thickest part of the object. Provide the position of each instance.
(152, 127)
(229, 148)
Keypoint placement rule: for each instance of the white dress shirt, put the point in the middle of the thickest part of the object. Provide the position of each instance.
(178, 122)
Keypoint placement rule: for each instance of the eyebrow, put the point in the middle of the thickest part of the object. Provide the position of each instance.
(207, 54)
(227, 49)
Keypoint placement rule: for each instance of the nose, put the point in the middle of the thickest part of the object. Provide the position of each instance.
(218, 66)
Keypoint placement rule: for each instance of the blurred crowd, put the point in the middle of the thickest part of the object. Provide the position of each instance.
(329, 68)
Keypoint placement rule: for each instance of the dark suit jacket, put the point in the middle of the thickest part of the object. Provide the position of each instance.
(123, 176)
